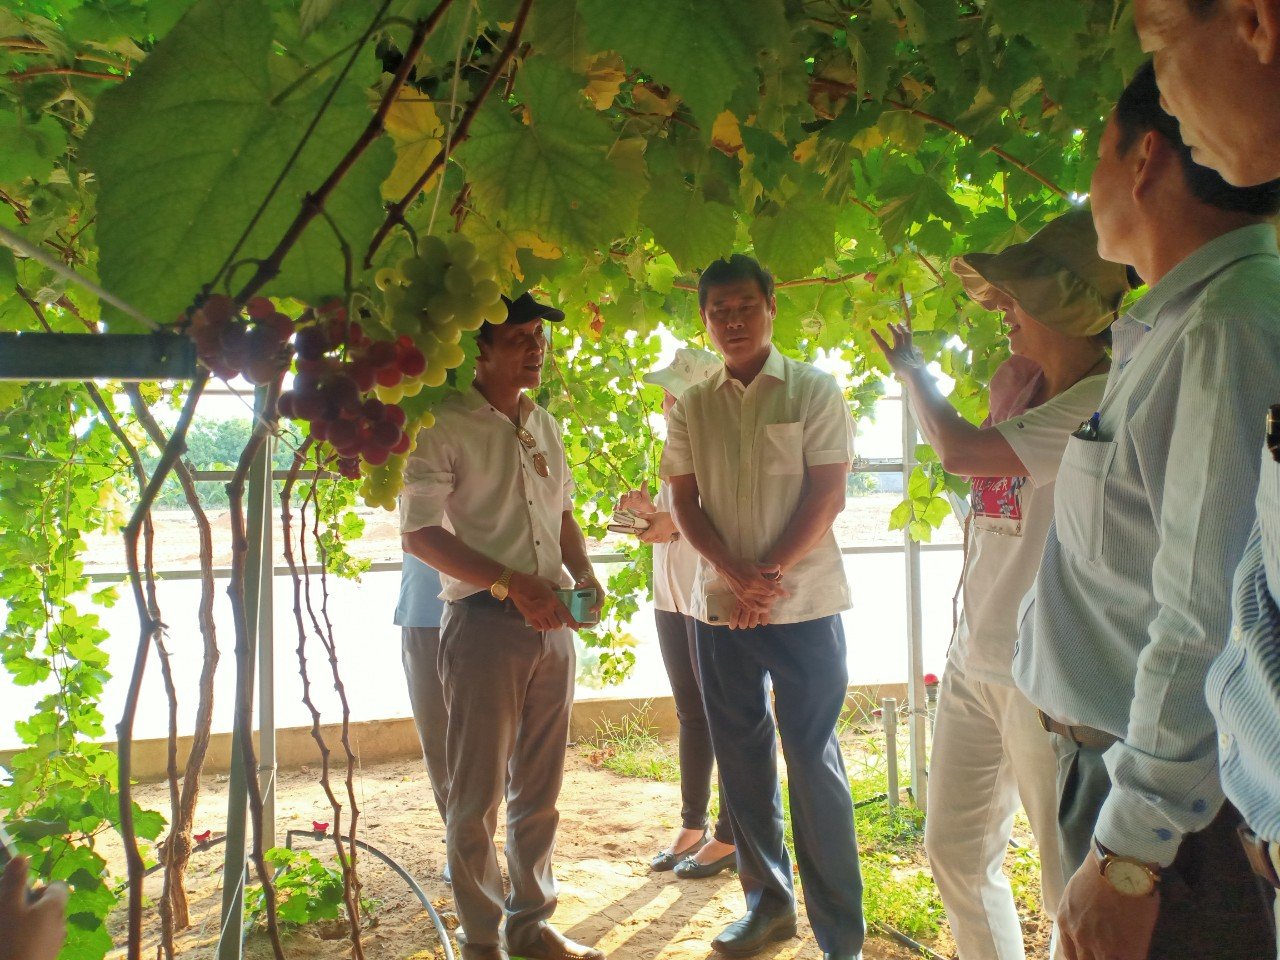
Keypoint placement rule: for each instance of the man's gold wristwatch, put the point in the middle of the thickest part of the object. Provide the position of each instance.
(502, 586)
(1131, 877)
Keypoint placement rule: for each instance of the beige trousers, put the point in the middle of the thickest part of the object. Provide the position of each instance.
(508, 689)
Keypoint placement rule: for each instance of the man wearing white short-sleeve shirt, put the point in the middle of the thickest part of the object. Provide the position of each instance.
(488, 502)
(757, 458)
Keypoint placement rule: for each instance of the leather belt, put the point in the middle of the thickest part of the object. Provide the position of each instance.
(1081, 736)
(1264, 857)
(485, 599)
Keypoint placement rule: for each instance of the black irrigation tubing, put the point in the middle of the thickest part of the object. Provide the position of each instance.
(400, 871)
(906, 941)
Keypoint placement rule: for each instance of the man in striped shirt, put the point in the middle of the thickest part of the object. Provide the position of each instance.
(1218, 65)
(1152, 513)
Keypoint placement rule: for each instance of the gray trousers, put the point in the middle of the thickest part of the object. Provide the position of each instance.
(420, 653)
(1211, 904)
(508, 690)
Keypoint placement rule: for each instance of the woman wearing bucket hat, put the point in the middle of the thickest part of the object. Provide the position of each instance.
(989, 752)
(691, 854)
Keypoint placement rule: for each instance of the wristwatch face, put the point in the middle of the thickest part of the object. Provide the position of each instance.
(499, 590)
(1128, 878)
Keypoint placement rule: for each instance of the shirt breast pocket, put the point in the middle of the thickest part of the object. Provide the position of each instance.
(783, 448)
(1080, 500)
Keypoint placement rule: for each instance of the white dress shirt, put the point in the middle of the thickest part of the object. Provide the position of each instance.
(471, 474)
(1132, 602)
(675, 566)
(1010, 521)
(749, 448)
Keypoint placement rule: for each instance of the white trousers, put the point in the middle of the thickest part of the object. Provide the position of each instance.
(990, 754)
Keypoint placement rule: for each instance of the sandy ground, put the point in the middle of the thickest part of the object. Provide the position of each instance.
(610, 827)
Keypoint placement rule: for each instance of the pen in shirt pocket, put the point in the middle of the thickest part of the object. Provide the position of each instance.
(1088, 430)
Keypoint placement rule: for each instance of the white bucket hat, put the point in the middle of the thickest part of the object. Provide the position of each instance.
(690, 366)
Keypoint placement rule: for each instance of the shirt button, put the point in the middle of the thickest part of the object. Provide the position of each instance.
(1225, 741)
(537, 543)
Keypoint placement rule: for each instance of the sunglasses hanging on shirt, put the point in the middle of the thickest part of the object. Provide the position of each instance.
(539, 458)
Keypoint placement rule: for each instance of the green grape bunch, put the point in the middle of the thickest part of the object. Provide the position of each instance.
(435, 296)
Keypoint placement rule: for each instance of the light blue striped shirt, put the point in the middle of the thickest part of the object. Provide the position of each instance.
(1132, 602)
(1244, 684)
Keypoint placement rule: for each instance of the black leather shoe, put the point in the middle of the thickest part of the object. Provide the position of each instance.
(667, 860)
(691, 869)
(754, 932)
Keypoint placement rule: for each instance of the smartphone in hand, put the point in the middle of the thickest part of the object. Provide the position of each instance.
(720, 606)
(579, 601)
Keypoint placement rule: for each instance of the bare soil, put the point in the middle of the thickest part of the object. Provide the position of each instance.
(610, 827)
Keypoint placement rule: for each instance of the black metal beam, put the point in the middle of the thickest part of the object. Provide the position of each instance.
(144, 357)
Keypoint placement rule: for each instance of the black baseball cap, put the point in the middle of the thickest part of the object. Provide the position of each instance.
(525, 309)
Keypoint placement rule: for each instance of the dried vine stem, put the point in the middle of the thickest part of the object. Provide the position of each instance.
(153, 608)
(151, 597)
(148, 628)
(350, 895)
(395, 213)
(263, 426)
(331, 648)
(313, 203)
(178, 844)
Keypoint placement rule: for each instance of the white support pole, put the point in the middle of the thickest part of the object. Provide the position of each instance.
(257, 566)
(266, 657)
(889, 717)
(917, 722)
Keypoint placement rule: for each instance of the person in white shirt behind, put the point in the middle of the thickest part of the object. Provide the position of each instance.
(757, 459)
(989, 754)
(691, 854)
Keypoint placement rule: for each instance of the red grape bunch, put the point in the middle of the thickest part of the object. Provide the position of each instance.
(337, 365)
(228, 345)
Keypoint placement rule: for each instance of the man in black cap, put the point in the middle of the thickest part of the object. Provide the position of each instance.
(488, 501)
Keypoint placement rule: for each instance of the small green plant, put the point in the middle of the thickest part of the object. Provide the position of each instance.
(630, 748)
(1022, 864)
(307, 890)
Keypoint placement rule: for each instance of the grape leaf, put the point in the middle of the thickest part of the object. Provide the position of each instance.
(564, 175)
(794, 238)
(418, 135)
(691, 227)
(704, 50)
(911, 198)
(186, 149)
(30, 149)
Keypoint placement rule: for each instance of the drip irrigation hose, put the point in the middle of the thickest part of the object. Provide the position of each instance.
(399, 871)
(906, 941)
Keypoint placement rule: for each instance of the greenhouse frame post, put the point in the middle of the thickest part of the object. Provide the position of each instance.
(258, 567)
(917, 709)
(267, 654)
